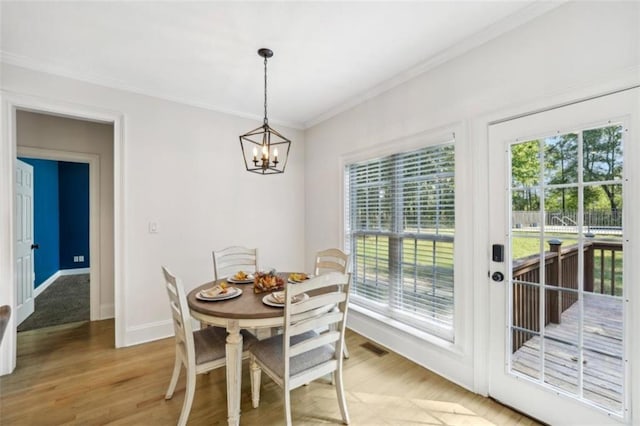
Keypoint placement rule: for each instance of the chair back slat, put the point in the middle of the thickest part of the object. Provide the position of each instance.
(230, 260)
(310, 344)
(331, 260)
(317, 322)
(318, 283)
(180, 314)
(317, 302)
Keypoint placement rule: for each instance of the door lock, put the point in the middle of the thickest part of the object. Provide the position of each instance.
(497, 277)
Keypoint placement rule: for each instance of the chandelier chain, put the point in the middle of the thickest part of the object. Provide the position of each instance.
(266, 120)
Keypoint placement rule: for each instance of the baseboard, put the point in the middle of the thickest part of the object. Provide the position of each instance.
(148, 332)
(107, 311)
(76, 271)
(46, 283)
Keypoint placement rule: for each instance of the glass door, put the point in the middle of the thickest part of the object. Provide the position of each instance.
(559, 318)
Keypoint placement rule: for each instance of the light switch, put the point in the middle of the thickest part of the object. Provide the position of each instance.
(154, 228)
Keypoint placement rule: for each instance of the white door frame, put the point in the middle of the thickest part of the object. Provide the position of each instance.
(94, 213)
(9, 103)
(479, 133)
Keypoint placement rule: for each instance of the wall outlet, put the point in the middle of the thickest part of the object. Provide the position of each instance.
(80, 258)
(76, 258)
(154, 227)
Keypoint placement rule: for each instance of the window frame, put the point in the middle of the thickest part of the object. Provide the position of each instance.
(402, 320)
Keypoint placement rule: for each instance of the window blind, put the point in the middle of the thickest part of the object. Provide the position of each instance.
(400, 225)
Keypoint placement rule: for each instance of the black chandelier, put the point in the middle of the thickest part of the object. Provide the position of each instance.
(264, 149)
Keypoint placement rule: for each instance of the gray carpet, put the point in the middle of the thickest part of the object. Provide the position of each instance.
(64, 301)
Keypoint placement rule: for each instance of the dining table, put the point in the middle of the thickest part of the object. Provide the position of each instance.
(246, 311)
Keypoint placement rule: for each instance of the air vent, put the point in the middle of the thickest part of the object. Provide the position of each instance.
(375, 349)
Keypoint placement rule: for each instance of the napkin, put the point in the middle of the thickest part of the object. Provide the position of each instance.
(215, 291)
(279, 297)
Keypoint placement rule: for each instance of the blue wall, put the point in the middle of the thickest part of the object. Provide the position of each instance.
(61, 216)
(74, 214)
(46, 217)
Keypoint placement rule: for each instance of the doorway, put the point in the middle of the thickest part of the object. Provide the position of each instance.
(12, 106)
(560, 318)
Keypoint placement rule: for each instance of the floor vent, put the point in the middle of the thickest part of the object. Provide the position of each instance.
(375, 349)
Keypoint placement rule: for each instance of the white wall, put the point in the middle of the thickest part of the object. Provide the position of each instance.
(182, 168)
(580, 48)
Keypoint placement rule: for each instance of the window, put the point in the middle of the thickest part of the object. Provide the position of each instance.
(400, 225)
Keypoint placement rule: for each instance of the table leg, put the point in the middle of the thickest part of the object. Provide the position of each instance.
(234, 372)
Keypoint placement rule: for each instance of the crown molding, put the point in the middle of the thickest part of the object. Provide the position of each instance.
(62, 71)
(501, 27)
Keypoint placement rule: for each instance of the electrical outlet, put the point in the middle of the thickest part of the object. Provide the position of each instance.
(154, 228)
(75, 258)
(80, 258)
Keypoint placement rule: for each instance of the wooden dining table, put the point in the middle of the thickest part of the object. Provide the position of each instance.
(246, 311)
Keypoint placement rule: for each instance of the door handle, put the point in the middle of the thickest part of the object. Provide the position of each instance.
(497, 277)
(35, 246)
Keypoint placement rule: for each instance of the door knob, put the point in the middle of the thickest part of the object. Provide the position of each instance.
(497, 277)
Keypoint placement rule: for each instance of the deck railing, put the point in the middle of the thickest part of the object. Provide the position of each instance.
(561, 271)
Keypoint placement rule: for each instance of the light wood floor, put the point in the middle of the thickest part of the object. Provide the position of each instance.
(71, 374)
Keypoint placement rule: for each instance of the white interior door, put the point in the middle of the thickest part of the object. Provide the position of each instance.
(564, 197)
(24, 240)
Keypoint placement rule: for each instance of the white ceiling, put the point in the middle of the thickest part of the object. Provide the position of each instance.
(328, 55)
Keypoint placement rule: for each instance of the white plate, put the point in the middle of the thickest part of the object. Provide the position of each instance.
(228, 295)
(267, 300)
(247, 280)
(298, 282)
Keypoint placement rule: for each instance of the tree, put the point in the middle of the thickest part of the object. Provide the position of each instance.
(560, 165)
(602, 154)
(525, 173)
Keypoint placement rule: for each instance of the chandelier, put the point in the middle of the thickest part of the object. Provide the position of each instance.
(264, 149)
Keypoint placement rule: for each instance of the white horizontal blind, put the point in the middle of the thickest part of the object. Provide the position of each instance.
(399, 227)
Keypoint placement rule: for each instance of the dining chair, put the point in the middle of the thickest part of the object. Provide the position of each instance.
(331, 260)
(5, 316)
(199, 351)
(301, 354)
(230, 260)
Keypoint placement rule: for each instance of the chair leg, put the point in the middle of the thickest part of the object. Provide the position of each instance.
(188, 398)
(342, 402)
(287, 406)
(256, 376)
(174, 378)
(345, 351)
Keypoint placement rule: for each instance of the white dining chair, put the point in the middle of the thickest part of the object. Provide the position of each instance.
(199, 351)
(332, 260)
(5, 316)
(230, 260)
(301, 354)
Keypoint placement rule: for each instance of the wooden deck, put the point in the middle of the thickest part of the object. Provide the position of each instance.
(603, 366)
